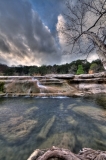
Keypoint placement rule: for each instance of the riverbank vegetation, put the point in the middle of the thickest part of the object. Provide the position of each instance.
(68, 68)
(1, 87)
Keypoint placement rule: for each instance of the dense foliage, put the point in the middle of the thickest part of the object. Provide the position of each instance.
(71, 68)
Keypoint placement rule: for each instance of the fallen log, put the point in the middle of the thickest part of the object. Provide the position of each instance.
(65, 154)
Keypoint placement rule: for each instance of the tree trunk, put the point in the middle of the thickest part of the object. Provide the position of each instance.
(102, 57)
(101, 51)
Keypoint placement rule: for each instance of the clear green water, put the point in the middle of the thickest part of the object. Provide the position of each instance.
(30, 123)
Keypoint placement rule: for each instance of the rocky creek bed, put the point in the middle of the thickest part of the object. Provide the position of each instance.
(73, 124)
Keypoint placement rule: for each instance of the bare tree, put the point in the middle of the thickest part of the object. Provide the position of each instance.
(85, 27)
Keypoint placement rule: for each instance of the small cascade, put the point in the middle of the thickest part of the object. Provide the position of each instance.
(6, 95)
(28, 94)
(41, 87)
(29, 91)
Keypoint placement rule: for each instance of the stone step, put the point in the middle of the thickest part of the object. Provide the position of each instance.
(51, 83)
(50, 80)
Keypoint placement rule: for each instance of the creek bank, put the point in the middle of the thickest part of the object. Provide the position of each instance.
(53, 85)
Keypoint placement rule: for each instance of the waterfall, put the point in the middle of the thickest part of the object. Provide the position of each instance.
(28, 94)
(41, 87)
(6, 95)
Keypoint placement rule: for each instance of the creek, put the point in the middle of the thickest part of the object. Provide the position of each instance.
(28, 123)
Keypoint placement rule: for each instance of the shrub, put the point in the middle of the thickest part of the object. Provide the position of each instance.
(80, 70)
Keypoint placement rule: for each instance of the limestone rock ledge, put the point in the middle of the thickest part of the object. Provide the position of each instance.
(53, 85)
(60, 153)
(90, 83)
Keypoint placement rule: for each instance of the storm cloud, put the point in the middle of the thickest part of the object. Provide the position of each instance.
(24, 39)
(4, 46)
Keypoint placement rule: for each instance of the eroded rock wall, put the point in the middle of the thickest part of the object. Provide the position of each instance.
(54, 85)
(90, 83)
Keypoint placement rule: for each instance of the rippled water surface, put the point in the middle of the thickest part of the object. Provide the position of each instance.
(30, 123)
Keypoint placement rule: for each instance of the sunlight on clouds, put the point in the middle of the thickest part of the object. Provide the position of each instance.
(60, 24)
(26, 40)
(93, 56)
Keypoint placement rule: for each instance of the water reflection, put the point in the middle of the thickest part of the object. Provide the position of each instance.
(30, 123)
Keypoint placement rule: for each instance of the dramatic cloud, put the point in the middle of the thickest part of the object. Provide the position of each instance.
(61, 23)
(4, 46)
(49, 11)
(67, 57)
(28, 32)
(24, 39)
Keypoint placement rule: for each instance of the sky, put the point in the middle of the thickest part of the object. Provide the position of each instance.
(29, 33)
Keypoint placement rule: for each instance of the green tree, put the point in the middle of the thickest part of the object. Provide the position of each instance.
(80, 70)
(97, 66)
(86, 67)
(10, 71)
(43, 70)
(94, 67)
(33, 70)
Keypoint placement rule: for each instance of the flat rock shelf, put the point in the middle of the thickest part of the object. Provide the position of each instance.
(53, 85)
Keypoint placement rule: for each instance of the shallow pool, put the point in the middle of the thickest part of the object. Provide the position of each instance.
(30, 123)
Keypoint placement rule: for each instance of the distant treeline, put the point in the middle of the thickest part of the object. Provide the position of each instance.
(75, 67)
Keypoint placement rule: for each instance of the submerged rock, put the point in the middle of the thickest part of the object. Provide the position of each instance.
(101, 100)
(100, 115)
(45, 130)
(72, 121)
(62, 140)
(17, 128)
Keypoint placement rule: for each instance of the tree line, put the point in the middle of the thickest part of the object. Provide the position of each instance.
(75, 67)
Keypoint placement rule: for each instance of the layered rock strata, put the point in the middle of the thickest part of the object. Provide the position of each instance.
(53, 85)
